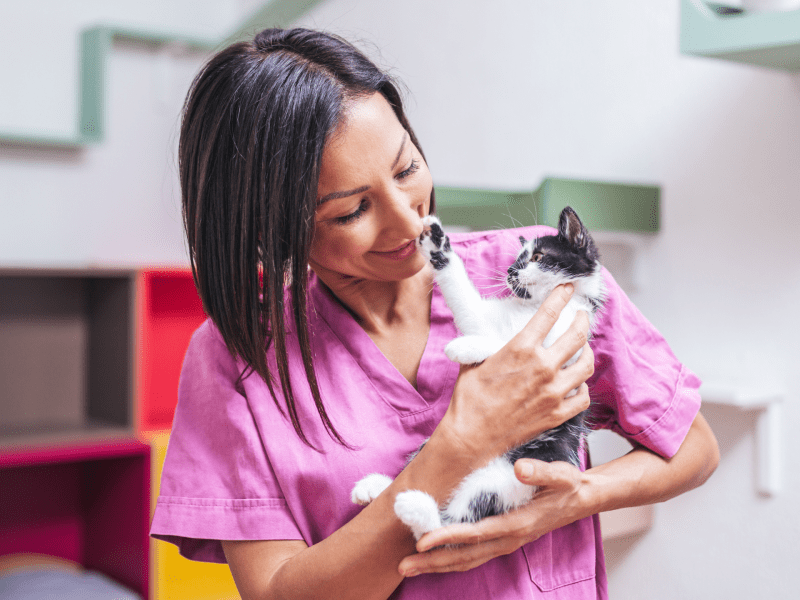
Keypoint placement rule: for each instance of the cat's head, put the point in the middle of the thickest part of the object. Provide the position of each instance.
(547, 261)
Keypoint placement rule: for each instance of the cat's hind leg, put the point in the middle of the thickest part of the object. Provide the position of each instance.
(491, 490)
(419, 511)
(369, 488)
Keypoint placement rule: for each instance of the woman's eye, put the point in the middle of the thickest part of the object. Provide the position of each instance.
(412, 168)
(362, 207)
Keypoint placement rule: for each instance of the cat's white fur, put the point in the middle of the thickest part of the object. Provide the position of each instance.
(487, 324)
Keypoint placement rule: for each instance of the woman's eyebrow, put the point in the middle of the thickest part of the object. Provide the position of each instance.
(364, 188)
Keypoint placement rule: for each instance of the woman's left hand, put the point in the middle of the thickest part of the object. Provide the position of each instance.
(557, 502)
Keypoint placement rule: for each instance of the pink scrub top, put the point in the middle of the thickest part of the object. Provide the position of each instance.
(236, 470)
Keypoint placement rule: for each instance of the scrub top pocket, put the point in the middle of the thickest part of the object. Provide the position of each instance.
(563, 557)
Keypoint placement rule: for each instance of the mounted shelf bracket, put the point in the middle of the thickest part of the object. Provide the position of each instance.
(767, 405)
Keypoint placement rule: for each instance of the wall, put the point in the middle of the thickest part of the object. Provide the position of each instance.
(499, 97)
(112, 203)
(505, 93)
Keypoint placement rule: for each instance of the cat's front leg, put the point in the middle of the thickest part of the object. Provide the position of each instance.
(459, 292)
(472, 349)
(369, 488)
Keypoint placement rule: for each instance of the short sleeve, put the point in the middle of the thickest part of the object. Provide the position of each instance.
(639, 388)
(217, 482)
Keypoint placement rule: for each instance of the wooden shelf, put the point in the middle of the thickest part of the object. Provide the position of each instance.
(765, 39)
(767, 404)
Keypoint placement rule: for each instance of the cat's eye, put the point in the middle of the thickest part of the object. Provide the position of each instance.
(537, 256)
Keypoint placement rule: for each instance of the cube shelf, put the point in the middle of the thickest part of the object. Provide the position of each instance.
(87, 503)
(169, 312)
(66, 338)
(174, 576)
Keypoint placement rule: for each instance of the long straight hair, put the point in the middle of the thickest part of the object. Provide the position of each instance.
(255, 124)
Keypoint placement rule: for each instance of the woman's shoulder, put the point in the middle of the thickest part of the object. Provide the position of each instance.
(493, 248)
(494, 236)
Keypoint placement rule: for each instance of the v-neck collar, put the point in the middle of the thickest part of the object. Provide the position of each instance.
(436, 374)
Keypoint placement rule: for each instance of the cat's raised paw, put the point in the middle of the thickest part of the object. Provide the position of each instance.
(434, 243)
(369, 488)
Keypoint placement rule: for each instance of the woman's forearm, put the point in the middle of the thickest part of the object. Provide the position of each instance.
(642, 477)
(361, 559)
(566, 495)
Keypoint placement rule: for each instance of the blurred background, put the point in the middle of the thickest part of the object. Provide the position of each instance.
(502, 95)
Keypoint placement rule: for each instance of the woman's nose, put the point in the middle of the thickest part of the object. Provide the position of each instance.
(406, 213)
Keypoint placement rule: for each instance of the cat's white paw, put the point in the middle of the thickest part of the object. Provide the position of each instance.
(471, 349)
(369, 488)
(433, 243)
(428, 220)
(419, 511)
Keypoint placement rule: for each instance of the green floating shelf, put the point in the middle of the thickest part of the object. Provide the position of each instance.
(96, 44)
(765, 39)
(602, 206)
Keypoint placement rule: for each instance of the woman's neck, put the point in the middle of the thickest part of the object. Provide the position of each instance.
(381, 306)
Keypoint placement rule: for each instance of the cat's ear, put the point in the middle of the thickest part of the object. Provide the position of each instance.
(571, 229)
(522, 240)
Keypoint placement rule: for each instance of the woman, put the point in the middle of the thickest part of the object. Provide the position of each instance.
(299, 169)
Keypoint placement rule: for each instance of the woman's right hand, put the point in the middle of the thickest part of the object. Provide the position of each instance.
(520, 391)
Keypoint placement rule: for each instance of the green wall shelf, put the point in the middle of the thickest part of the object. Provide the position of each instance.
(602, 206)
(765, 39)
(97, 42)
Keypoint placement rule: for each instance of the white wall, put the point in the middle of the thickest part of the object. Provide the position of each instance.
(116, 202)
(505, 93)
(499, 97)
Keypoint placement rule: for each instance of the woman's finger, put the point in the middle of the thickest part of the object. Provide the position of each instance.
(508, 524)
(573, 339)
(542, 322)
(446, 560)
(558, 475)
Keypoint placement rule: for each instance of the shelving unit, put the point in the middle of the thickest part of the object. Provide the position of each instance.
(602, 206)
(765, 39)
(175, 577)
(767, 405)
(84, 502)
(169, 312)
(91, 363)
(66, 337)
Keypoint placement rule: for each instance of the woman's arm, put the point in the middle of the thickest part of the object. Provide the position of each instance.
(566, 495)
(522, 384)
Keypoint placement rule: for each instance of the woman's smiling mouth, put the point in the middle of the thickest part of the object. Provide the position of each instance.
(399, 253)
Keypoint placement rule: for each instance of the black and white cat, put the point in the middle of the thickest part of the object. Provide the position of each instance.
(487, 324)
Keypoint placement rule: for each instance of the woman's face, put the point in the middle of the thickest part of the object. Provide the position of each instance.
(374, 189)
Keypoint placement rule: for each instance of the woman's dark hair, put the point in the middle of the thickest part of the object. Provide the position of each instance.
(255, 123)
